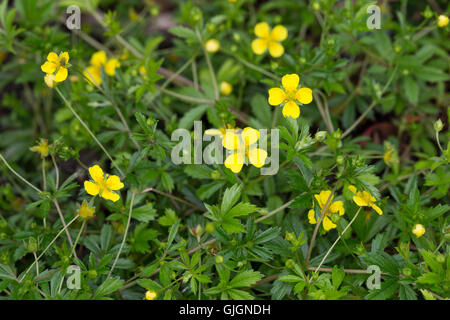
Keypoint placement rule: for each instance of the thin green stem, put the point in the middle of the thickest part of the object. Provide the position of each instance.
(78, 237)
(337, 240)
(89, 130)
(18, 175)
(61, 217)
(124, 235)
(48, 246)
(44, 178)
(316, 229)
(210, 67)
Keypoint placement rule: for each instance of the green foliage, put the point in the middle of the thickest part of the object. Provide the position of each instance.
(378, 122)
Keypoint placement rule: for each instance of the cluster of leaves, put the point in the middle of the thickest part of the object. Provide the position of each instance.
(197, 231)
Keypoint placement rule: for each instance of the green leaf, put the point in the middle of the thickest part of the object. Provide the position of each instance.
(192, 115)
(431, 261)
(245, 279)
(337, 276)
(172, 233)
(232, 225)
(108, 287)
(388, 288)
(144, 213)
(230, 197)
(239, 294)
(429, 278)
(241, 209)
(411, 90)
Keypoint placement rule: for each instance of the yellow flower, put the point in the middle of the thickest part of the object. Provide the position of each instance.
(111, 65)
(133, 15)
(103, 184)
(365, 199)
(418, 230)
(269, 39)
(290, 95)
(442, 21)
(85, 211)
(333, 207)
(390, 155)
(230, 137)
(93, 75)
(42, 148)
(98, 59)
(244, 146)
(56, 64)
(142, 70)
(225, 88)
(212, 45)
(150, 295)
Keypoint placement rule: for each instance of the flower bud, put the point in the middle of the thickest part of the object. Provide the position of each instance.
(210, 227)
(289, 263)
(219, 259)
(92, 274)
(438, 125)
(320, 136)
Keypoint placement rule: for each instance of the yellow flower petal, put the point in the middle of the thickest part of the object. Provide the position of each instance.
(96, 173)
(109, 195)
(98, 59)
(337, 206)
(92, 188)
(111, 65)
(275, 49)
(234, 162)
(259, 46)
(213, 132)
(92, 74)
(291, 109)
(290, 82)
(322, 197)
(113, 182)
(249, 136)
(262, 30)
(53, 57)
(64, 58)
(48, 67)
(360, 201)
(352, 188)
(279, 33)
(418, 230)
(61, 75)
(304, 95)
(257, 157)
(276, 96)
(231, 140)
(312, 217)
(377, 209)
(50, 80)
(328, 224)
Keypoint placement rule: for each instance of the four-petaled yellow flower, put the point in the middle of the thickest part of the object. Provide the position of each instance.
(99, 59)
(85, 211)
(333, 207)
(418, 230)
(365, 199)
(103, 184)
(55, 68)
(290, 95)
(269, 39)
(150, 295)
(42, 148)
(442, 21)
(243, 145)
